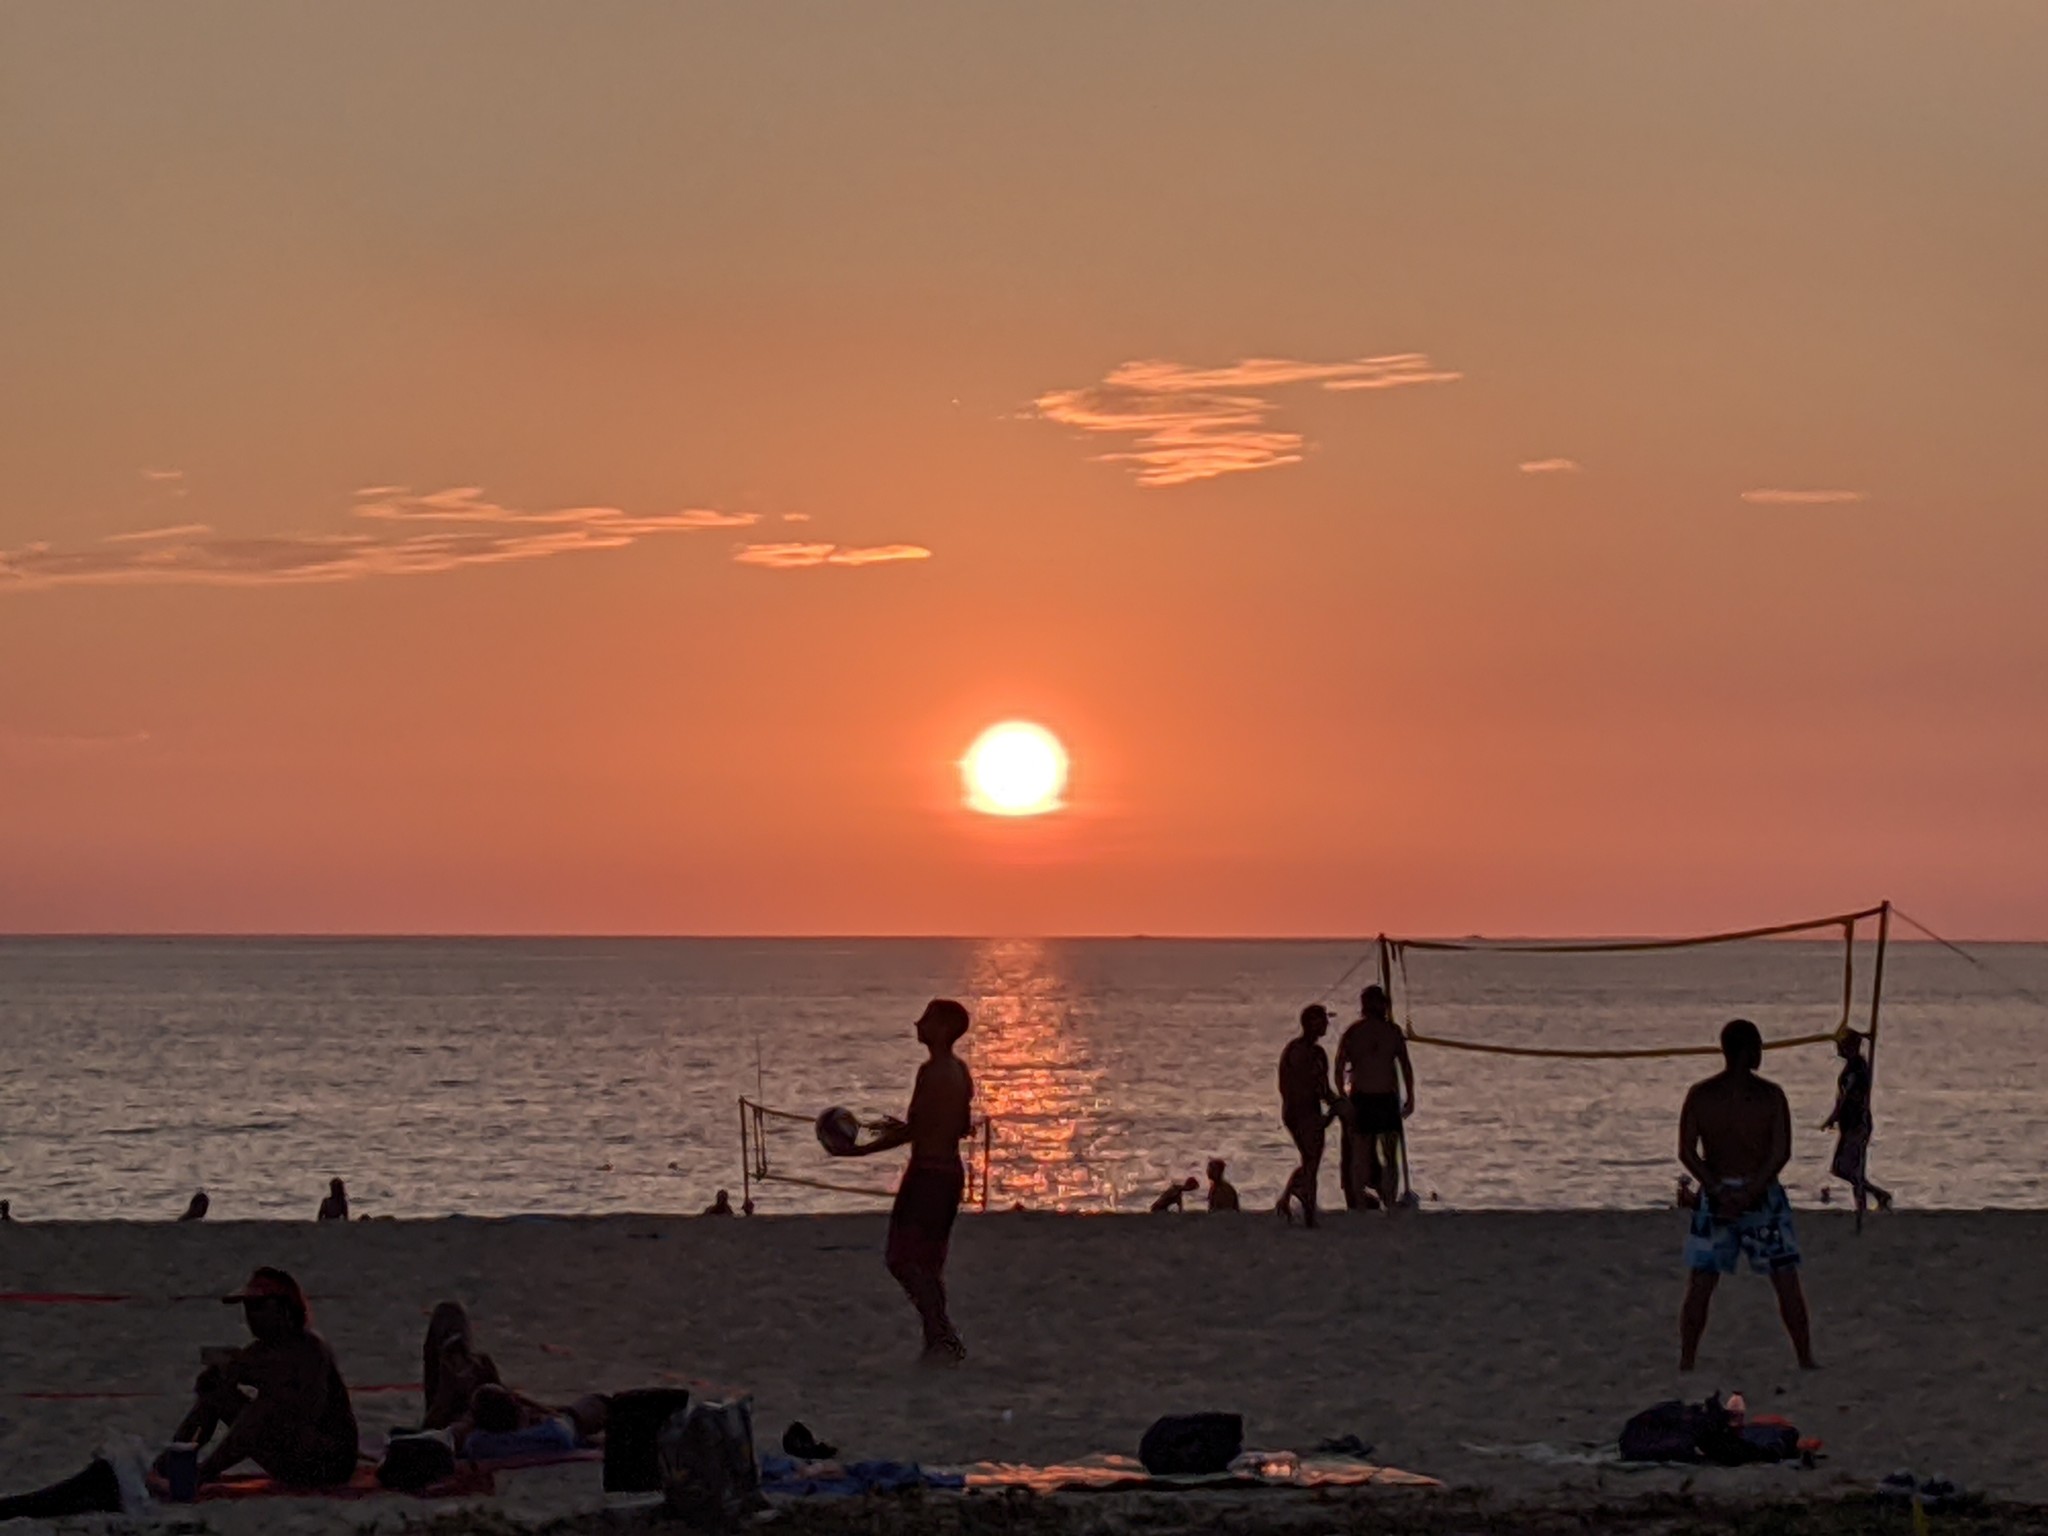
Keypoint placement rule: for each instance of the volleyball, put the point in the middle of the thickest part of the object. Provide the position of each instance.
(838, 1130)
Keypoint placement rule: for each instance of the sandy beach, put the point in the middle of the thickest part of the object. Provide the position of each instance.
(1426, 1336)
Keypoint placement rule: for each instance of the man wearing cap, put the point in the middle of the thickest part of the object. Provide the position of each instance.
(1306, 1104)
(280, 1399)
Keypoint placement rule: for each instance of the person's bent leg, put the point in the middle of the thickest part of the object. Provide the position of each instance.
(1692, 1315)
(1792, 1308)
(94, 1491)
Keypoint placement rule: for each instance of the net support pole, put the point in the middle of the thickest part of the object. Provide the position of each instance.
(1884, 930)
(746, 1161)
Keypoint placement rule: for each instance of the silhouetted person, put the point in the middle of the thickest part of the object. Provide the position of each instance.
(928, 1200)
(6, 1210)
(464, 1393)
(747, 1206)
(1307, 1102)
(722, 1206)
(1222, 1194)
(335, 1206)
(280, 1401)
(1172, 1197)
(1373, 1069)
(196, 1208)
(1735, 1137)
(1850, 1121)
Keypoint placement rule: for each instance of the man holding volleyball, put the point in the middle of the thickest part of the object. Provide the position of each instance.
(921, 1222)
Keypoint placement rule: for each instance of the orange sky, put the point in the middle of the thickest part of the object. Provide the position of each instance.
(1543, 468)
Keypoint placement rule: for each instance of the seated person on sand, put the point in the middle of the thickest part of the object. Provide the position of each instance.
(458, 1379)
(297, 1427)
(196, 1211)
(1222, 1193)
(335, 1206)
(1170, 1198)
(722, 1206)
(279, 1401)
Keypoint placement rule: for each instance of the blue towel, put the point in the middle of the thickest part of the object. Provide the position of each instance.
(847, 1479)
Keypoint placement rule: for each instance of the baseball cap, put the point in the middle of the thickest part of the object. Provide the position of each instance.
(266, 1283)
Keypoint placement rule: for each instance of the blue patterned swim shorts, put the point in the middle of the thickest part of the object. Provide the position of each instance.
(1763, 1233)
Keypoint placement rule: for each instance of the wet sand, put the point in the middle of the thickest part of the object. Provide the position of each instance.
(1424, 1336)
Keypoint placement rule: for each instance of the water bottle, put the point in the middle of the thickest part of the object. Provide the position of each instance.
(181, 1472)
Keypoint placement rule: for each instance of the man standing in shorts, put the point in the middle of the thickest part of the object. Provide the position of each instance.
(1306, 1103)
(1374, 1070)
(921, 1222)
(1850, 1121)
(1735, 1137)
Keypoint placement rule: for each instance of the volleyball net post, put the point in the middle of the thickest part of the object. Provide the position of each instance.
(758, 1166)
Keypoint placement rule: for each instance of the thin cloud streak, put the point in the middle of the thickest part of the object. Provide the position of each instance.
(1193, 423)
(1770, 497)
(796, 557)
(401, 540)
(1551, 467)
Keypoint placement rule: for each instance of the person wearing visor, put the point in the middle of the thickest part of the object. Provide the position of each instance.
(279, 1401)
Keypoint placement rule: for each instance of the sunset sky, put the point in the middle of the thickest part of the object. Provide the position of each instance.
(1535, 468)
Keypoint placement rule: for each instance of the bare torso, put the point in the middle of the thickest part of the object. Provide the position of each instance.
(1372, 1052)
(941, 1109)
(1739, 1127)
(1304, 1080)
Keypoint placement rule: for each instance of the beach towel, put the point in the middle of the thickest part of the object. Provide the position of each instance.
(471, 1479)
(1253, 1469)
(787, 1477)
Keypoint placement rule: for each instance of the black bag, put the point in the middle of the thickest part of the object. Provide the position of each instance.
(1676, 1431)
(709, 1477)
(632, 1421)
(1192, 1444)
(414, 1463)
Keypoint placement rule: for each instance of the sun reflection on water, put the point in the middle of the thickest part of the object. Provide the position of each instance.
(1056, 1138)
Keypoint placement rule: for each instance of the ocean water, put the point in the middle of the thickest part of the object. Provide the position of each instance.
(501, 1076)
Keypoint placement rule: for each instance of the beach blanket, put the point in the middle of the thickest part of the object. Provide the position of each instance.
(1254, 1469)
(471, 1479)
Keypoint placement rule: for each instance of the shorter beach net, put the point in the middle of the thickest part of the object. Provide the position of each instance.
(780, 1146)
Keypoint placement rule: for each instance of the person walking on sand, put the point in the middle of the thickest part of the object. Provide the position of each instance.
(1850, 1121)
(921, 1222)
(1306, 1104)
(1373, 1069)
(1735, 1137)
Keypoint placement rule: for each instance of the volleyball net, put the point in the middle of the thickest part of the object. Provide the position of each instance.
(780, 1146)
(1803, 983)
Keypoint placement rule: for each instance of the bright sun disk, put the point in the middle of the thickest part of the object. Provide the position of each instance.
(1015, 769)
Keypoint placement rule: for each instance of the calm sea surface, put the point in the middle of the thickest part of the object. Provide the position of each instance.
(501, 1076)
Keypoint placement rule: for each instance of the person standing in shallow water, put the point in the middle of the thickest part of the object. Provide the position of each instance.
(335, 1206)
(1735, 1137)
(928, 1200)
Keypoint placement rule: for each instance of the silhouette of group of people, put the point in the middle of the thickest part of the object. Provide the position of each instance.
(1369, 1095)
(280, 1402)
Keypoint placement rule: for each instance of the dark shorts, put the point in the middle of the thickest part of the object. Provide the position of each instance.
(1376, 1114)
(921, 1221)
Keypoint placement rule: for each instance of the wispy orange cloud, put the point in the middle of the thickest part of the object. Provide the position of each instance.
(1769, 497)
(396, 536)
(794, 557)
(1197, 423)
(163, 476)
(1551, 467)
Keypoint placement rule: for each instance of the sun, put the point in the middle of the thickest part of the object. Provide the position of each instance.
(1015, 769)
